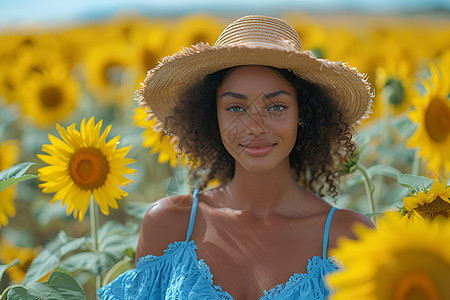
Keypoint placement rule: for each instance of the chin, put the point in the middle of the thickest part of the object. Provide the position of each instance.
(259, 166)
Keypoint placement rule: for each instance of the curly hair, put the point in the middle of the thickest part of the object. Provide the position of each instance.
(323, 139)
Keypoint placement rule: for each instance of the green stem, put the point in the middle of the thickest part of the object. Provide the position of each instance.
(4, 295)
(188, 179)
(94, 234)
(368, 184)
(416, 164)
(385, 120)
(89, 247)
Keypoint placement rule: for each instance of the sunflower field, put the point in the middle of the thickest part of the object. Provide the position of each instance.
(80, 164)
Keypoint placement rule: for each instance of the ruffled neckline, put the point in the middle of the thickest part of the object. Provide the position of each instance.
(296, 280)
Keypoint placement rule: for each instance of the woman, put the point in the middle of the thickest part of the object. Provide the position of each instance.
(272, 123)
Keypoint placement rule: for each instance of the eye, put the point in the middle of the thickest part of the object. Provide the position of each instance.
(235, 108)
(277, 107)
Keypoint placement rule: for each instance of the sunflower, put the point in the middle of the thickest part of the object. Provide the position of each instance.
(32, 60)
(432, 114)
(149, 48)
(111, 71)
(167, 146)
(8, 252)
(49, 97)
(394, 81)
(193, 29)
(83, 163)
(399, 261)
(147, 38)
(429, 205)
(445, 58)
(312, 34)
(8, 85)
(8, 157)
(77, 42)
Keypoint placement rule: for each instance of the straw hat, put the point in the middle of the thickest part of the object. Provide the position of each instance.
(255, 40)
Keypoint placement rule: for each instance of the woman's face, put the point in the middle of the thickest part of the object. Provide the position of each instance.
(257, 112)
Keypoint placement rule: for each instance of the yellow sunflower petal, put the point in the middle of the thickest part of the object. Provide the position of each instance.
(381, 266)
(430, 204)
(432, 115)
(91, 166)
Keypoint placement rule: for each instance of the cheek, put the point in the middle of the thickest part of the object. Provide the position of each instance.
(226, 129)
(231, 129)
(287, 130)
(286, 123)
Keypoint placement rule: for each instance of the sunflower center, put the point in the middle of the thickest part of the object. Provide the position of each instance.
(437, 119)
(88, 168)
(395, 92)
(113, 72)
(51, 97)
(8, 84)
(416, 286)
(36, 69)
(437, 208)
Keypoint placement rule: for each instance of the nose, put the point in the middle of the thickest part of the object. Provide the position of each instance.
(255, 123)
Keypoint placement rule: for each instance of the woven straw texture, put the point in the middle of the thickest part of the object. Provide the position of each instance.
(255, 40)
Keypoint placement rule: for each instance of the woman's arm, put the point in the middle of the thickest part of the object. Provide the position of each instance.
(343, 223)
(166, 221)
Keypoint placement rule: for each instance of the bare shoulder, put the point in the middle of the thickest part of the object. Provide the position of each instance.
(166, 221)
(343, 223)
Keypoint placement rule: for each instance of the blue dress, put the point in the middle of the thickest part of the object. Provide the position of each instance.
(179, 274)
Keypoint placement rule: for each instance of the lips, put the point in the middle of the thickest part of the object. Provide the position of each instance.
(258, 147)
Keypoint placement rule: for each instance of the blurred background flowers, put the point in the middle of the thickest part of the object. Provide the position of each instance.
(64, 62)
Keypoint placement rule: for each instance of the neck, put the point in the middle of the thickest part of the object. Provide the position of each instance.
(262, 193)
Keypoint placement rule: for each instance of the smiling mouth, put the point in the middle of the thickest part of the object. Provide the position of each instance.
(258, 150)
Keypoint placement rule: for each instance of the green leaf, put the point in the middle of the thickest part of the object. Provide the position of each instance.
(60, 285)
(15, 174)
(49, 258)
(137, 209)
(116, 238)
(124, 265)
(355, 179)
(9, 182)
(385, 170)
(404, 125)
(3, 268)
(19, 293)
(414, 182)
(4, 295)
(113, 228)
(95, 263)
(376, 214)
(15, 171)
(44, 212)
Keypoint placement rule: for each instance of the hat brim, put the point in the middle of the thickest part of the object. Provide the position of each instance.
(170, 78)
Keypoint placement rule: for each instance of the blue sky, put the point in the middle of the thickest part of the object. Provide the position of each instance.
(23, 12)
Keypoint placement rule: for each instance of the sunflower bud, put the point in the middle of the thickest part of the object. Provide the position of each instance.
(350, 161)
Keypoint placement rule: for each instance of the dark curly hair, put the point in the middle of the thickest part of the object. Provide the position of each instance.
(323, 139)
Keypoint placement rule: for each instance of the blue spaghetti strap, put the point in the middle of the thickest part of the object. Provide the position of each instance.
(326, 232)
(193, 212)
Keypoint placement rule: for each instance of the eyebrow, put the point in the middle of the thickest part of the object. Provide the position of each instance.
(234, 95)
(266, 96)
(274, 94)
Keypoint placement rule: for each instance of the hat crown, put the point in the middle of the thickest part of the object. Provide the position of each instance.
(261, 31)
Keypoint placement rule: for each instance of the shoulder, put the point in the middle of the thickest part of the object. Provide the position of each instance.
(343, 223)
(166, 221)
